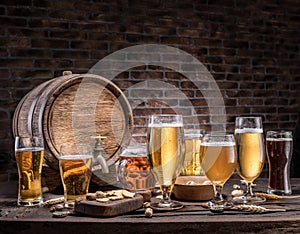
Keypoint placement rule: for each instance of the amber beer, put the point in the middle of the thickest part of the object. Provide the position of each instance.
(251, 153)
(279, 147)
(166, 154)
(75, 172)
(29, 162)
(218, 160)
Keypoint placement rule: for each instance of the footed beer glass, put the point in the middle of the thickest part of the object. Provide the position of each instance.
(218, 159)
(251, 154)
(166, 151)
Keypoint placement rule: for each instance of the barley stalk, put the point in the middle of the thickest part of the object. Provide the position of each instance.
(53, 201)
(254, 209)
(268, 196)
(274, 196)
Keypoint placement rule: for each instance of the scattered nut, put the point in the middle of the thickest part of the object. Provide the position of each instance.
(60, 214)
(236, 187)
(114, 198)
(103, 199)
(115, 192)
(148, 212)
(52, 209)
(91, 196)
(100, 194)
(237, 193)
(58, 207)
(146, 204)
(45, 189)
(127, 194)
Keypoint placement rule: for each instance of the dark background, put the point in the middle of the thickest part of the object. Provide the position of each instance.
(250, 47)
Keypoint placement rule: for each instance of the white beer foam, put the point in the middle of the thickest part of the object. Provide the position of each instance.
(218, 143)
(32, 149)
(249, 130)
(75, 157)
(165, 125)
(279, 139)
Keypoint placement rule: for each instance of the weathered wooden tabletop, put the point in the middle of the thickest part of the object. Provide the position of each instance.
(193, 218)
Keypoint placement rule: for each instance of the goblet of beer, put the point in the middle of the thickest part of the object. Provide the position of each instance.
(251, 154)
(218, 159)
(165, 151)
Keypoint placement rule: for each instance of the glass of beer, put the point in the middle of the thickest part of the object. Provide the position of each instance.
(191, 165)
(133, 169)
(279, 147)
(166, 151)
(29, 153)
(75, 163)
(218, 157)
(251, 154)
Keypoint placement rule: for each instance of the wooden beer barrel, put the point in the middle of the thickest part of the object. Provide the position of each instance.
(75, 108)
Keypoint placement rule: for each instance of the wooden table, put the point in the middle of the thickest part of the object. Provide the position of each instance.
(191, 219)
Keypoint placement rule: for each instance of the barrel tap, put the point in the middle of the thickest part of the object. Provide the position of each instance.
(99, 161)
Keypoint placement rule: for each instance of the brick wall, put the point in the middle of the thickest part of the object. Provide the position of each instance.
(250, 47)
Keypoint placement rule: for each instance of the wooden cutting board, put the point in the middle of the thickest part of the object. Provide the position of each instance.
(110, 208)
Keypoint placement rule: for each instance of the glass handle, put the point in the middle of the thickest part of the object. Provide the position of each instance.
(121, 173)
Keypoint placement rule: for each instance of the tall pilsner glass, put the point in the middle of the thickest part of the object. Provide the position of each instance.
(251, 154)
(166, 152)
(218, 159)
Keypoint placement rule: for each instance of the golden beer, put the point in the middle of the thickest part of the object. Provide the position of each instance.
(218, 160)
(166, 154)
(251, 153)
(29, 162)
(192, 160)
(75, 172)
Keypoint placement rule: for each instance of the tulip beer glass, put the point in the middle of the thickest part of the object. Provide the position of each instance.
(218, 159)
(166, 150)
(29, 153)
(251, 154)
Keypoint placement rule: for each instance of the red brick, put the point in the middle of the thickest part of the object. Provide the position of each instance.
(16, 63)
(34, 73)
(15, 42)
(48, 23)
(27, 52)
(53, 63)
(161, 103)
(11, 21)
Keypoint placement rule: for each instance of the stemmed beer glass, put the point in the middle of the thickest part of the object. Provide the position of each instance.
(251, 154)
(166, 152)
(218, 158)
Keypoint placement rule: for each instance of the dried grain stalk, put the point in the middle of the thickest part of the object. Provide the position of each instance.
(255, 209)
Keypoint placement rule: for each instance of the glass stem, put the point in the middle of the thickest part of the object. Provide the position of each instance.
(218, 198)
(249, 192)
(166, 200)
